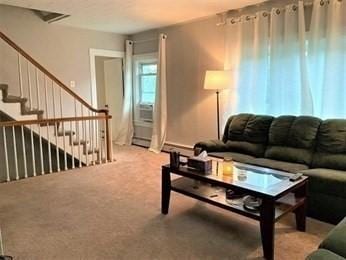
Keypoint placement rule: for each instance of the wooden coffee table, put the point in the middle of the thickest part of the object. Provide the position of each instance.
(279, 195)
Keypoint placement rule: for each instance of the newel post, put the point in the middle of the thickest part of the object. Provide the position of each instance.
(108, 137)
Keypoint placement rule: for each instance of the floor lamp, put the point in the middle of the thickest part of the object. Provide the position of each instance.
(217, 80)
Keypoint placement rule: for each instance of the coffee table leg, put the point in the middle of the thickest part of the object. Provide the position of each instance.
(166, 190)
(301, 211)
(267, 224)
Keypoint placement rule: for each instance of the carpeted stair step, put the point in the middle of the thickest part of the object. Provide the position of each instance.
(4, 89)
(50, 124)
(81, 142)
(90, 151)
(65, 133)
(14, 99)
(28, 111)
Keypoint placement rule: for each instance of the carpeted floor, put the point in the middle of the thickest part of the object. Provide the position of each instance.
(113, 212)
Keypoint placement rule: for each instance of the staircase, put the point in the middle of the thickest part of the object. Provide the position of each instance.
(49, 110)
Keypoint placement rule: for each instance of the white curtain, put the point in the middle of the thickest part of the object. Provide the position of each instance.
(160, 106)
(126, 124)
(288, 90)
(268, 58)
(247, 56)
(327, 58)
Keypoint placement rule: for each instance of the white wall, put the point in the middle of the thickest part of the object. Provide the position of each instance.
(100, 81)
(62, 50)
(192, 48)
(114, 91)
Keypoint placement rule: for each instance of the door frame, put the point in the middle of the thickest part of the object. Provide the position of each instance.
(103, 53)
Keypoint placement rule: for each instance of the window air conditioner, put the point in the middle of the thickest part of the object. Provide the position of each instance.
(146, 112)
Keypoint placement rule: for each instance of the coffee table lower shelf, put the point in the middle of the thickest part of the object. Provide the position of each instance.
(217, 197)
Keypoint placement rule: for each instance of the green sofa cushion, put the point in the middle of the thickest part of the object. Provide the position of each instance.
(238, 157)
(332, 136)
(249, 148)
(289, 154)
(294, 131)
(336, 240)
(292, 139)
(329, 160)
(237, 126)
(226, 130)
(257, 129)
(331, 145)
(250, 128)
(247, 133)
(323, 254)
(279, 165)
(327, 181)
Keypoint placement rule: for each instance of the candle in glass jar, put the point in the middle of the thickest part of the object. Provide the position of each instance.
(227, 166)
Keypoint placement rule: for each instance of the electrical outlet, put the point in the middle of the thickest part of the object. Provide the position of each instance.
(72, 84)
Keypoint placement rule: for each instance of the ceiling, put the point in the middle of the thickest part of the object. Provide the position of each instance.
(130, 16)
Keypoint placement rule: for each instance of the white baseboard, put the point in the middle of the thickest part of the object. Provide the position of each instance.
(182, 148)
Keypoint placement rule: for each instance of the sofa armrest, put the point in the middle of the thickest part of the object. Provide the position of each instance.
(323, 254)
(211, 146)
(336, 239)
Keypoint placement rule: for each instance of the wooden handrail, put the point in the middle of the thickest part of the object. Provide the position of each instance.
(54, 120)
(50, 75)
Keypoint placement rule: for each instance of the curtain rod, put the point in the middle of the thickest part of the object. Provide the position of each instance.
(236, 19)
(150, 39)
(146, 40)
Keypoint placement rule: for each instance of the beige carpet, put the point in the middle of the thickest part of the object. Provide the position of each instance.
(113, 212)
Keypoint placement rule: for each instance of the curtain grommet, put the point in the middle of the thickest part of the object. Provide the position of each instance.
(278, 11)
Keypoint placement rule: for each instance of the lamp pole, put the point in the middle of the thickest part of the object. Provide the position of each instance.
(218, 114)
(217, 80)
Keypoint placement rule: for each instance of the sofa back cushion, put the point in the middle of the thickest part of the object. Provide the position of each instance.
(331, 145)
(293, 139)
(247, 133)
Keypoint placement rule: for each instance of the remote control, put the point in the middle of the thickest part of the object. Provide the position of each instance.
(296, 177)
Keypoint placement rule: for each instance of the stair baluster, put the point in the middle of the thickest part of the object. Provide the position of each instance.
(37, 84)
(15, 152)
(29, 84)
(72, 148)
(63, 130)
(20, 76)
(91, 134)
(77, 134)
(48, 133)
(24, 153)
(32, 151)
(56, 130)
(6, 154)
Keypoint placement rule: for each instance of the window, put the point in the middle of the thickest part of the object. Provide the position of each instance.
(147, 82)
(144, 86)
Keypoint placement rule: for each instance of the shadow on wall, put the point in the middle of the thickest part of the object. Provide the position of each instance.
(190, 52)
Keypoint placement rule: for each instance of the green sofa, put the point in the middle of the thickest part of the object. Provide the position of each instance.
(303, 144)
(334, 246)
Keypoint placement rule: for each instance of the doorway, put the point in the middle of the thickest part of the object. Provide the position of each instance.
(108, 84)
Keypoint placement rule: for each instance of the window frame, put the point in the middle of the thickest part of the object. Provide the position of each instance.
(140, 75)
(148, 58)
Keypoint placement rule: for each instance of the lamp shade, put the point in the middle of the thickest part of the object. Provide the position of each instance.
(217, 79)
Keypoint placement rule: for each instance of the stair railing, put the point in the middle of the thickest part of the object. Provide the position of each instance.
(49, 96)
(17, 139)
